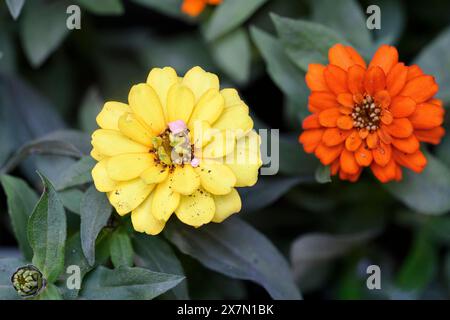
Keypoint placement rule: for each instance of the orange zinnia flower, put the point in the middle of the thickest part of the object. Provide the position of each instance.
(195, 7)
(372, 116)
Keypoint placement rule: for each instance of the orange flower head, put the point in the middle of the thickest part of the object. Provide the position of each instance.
(195, 7)
(373, 116)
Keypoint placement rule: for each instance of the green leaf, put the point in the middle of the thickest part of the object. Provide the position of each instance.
(95, 212)
(40, 36)
(15, 7)
(47, 233)
(280, 68)
(157, 255)
(21, 201)
(293, 160)
(169, 7)
(121, 249)
(310, 252)
(7, 267)
(45, 145)
(91, 106)
(419, 267)
(229, 15)
(51, 292)
(71, 199)
(347, 17)
(427, 192)
(306, 42)
(266, 191)
(125, 283)
(104, 7)
(77, 174)
(322, 174)
(232, 53)
(237, 250)
(434, 60)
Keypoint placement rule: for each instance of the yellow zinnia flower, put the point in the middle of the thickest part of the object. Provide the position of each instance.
(180, 145)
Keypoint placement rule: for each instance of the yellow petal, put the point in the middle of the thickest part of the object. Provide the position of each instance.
(235, 118)
(201, 133)
(134, 129)
(216, 177)
(97, 155)
(200, 81)
(231, 97)
(221, 144)
(180, 103)
(128, 166)
(145, 103)
(227, 205)
(208, 108)
(108, 118)
(184, 180)
(154, 174)
(161, 80)
(102, 181)
(128, 195)
(143, 219)
(111, 143)
(196, 209)
(165, 201)
(245, 161)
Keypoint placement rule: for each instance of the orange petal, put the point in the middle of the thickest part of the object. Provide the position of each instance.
(310, 139)
(356, 56)
(433, 136)
(334, 167)
(346, 99)
(363, 133)
(396, 79)
(385, 58)
(413, 72)
(334, 136)
(355, 79)
(386, 117)
(382, 154)
(326, 154)
(344, 57)
(345, 110)
(407, 145)
(374, 80)
(193, 7)
(215, 2)
(363, 156)
(315, 79)
(383, 98)
(415, 161)
(402, 107)
(348, 162)
(427, 116)
(400, 128)
(349, 177)
(322, 100)
(353, 141)
(420, 88)
(328, 117)
(311, 122)
(384, 135)
(398, 172)
(385, 173)
(344, 122)
(372, 140)
(336, 79)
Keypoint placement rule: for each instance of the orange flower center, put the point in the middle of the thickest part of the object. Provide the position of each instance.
(366, 114)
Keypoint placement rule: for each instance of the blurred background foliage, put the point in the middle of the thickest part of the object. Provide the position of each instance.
(53, 82)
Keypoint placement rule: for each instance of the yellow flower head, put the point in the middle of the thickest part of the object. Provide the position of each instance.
(180, 145)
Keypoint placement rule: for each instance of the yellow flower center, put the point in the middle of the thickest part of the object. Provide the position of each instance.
(366, 114)
(172, 149)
